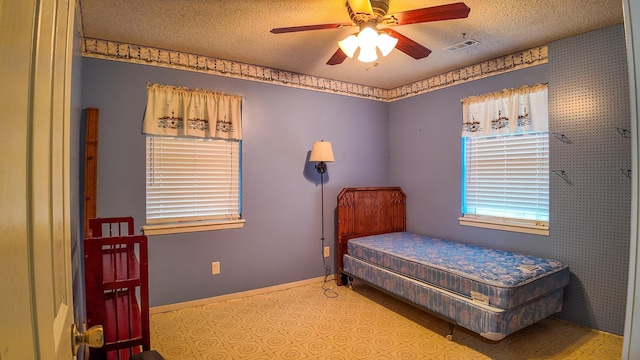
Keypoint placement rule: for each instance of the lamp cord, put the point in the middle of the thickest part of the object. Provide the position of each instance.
(328, 291)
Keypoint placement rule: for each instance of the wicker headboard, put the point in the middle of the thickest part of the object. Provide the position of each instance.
(369, 211)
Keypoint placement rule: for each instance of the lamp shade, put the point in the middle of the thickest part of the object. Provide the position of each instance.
(321, 151)
(386, 43)
(367, 54)
(367, 37)
(349, 45)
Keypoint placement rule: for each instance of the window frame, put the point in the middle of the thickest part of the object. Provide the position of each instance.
(184, 223)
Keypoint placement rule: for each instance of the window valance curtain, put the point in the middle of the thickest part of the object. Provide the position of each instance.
(522, 110)
(178, 111)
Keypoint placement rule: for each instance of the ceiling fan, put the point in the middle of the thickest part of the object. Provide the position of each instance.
(367, 15)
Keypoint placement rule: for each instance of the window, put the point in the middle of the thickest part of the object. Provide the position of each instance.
(192, 184)
(193, 177)
(505, 168)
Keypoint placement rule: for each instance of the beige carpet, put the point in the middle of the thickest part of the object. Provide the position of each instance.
(363, 323)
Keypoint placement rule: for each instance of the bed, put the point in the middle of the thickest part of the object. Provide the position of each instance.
(491, 292)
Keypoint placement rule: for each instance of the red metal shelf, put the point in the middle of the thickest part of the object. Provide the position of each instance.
(116, 282)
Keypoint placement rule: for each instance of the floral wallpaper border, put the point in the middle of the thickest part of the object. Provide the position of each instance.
(110, 50)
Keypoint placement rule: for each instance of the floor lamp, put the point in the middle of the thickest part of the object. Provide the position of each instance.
(322, 153)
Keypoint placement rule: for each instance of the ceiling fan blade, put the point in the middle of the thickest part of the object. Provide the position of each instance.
(434, 13)
(407, 45)
(310, 27)
(338, 57)
(360, 6)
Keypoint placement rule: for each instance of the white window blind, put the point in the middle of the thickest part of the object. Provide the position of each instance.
(507, 178)
(192, 179)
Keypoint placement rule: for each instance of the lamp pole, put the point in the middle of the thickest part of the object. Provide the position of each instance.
(321, 167)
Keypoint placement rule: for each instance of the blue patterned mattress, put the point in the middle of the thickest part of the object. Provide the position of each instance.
(499, 279)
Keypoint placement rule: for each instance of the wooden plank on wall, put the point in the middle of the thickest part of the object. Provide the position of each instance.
(90, 167)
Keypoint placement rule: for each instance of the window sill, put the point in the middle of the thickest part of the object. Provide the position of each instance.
(176, 228)
(532, 228)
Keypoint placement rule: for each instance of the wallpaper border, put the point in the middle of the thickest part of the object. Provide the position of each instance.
(105, 49)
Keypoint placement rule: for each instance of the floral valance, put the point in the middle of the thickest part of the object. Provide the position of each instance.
(178, 111)
(521, 110)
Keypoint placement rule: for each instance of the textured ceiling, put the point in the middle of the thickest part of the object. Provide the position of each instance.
(238, 30)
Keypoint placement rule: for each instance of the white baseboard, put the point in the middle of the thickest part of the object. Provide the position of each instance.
(234, 296)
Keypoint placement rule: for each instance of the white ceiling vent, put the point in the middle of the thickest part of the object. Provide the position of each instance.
(463, 45)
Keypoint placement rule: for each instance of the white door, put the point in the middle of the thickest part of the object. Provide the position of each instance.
(36, 309)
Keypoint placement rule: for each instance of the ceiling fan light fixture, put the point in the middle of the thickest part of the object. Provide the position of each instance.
(386, 43)
(349, 45)
(367, 15)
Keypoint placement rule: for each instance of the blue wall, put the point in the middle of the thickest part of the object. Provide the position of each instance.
(280, 242)
(413, 143)
(589, 220)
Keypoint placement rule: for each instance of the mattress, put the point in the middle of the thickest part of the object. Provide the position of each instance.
(497, 278)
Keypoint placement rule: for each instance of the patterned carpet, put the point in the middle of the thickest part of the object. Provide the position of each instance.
(363, 323)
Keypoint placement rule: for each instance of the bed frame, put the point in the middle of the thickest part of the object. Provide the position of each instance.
(368, 211)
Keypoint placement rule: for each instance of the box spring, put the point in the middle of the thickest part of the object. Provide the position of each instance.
(488, 321)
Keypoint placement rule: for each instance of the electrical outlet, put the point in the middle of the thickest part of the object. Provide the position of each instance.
(215, 268)
(327, 251)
